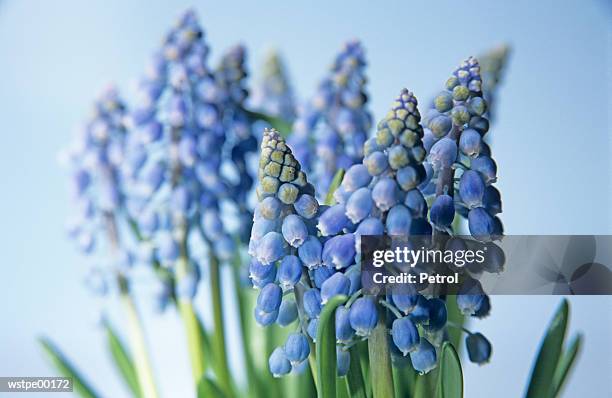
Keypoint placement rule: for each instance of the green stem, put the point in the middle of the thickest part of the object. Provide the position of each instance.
(142, 362)
(194, 340)
(298, 291)
(252, 381)
(404, 381)
(312, 364)
(391, 308)
(219, 330)
(144, 369)
(364, 364)
(380, 359)
(191, 324)
(455, 319)
(354, 378)
(336, 181)
(426, 385)
(283, 127)
(458, 327)
(352, 299)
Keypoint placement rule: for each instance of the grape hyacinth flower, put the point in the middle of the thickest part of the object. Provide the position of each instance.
(344, 330)
(97, 186)
(230, 77)
(478, 348)
(493, 64)
(393, 172)
(174, 169)
(296, 348)
(287, 312)
(424, 357)
(283, 236)
(337, 284)
(457, 125)
(179, 129)
(269, 298)
(382, 194)
(399, 143)
(363, 316)
(343, 361)
(278, 363)
(273, 95)
(161, 176)
(471, 297)
(289, 272)
(405, 335)
(100, 189)
(334, 124)
(261, 274)
(461, 110)
(378, 195)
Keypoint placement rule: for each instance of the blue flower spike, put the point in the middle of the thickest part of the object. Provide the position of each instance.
(382, 193)
(460, 145)
(273, 94)
(330, 130)
(174, 161)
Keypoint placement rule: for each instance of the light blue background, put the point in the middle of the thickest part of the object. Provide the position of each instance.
(551, 141)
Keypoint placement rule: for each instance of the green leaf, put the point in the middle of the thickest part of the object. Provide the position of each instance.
(364, 363)
(66, 369)
(342, 390)
(205, 339)
(542, 375)
(450, 376)
(195, 340)
(426, 385)
(565, 364)
(254, 382)
(354, 378)
(326, 348)
(207, 387)
(218, 336)
(408, 379)
(329, 198)
(281, 125)
(404, 378)
(123, 360)
(300, 386)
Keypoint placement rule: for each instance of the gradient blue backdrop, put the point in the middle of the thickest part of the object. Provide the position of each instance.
(551, 140)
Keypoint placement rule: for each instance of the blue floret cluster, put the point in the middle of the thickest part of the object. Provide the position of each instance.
(95, 157)
(241, 142)
(284, 246)
(162, 171)
(178, 128)
(456, 128)
(331, 128)
(162, 165)
(493, 64)
(315, 254)
(273, 94)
